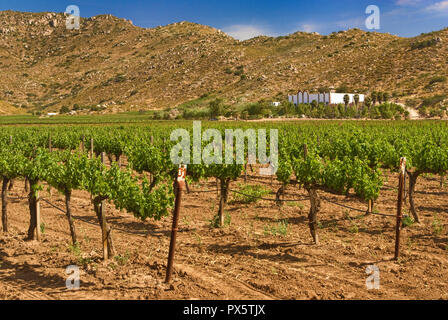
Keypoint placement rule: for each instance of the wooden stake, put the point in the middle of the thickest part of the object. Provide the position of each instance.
(314, 204)
(83, 144)
(5, 204)
(399, 206)
(11, 182)
(103, 221)
(246, 167)
(180, 186)
(38, 231)
(91, 148)
(217, 187)
(369, 207)
(150, 175)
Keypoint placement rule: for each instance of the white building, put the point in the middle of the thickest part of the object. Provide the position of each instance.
(276, 104)
(327, 97)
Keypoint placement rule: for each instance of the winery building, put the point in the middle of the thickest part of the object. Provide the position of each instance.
(326, 97)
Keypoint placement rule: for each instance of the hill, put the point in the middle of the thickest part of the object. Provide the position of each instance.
(112, 63)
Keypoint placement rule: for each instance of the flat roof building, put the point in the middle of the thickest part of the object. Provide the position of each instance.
(326, 97)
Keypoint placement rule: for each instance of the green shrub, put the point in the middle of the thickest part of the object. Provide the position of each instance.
(64, 109)
(280, 229)
(119, 78)
(430, 101)
(423, 44)
(254, 193)
(214, 223)
(437, 226)
(437, 79)
(407, 221)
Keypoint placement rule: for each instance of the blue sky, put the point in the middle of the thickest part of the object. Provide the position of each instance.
(248, 18)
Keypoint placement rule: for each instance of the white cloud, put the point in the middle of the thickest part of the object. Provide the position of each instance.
(309, 27)
(246, 31)
(439, 7)
(408, 2)
(351, 23)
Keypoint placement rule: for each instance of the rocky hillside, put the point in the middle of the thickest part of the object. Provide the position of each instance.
(111, 62)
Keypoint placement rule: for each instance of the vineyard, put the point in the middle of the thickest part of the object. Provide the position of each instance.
(309, 231)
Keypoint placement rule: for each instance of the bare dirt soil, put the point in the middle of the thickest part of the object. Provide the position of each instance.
(255, 257)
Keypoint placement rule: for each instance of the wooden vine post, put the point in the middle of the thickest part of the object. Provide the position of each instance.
(151, 178)
(38, 223)
(103, 222)
(401, 187)
(4, 204)
(4, 197)
(33, 201)
(180, 187)
(91, 148)
(83, 141)
(245, 168)
(217, 188)
(11, 182)
(369, 207)
(314, 204)
(50, 146)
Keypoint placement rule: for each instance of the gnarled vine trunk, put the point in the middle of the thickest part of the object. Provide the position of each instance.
(5, 204)
(279, 194)
(98, 204)
(154, 182)
(224, 187)
(32, 204)
(109, 157)
(68, 213)
(118, 159)
(314, 209)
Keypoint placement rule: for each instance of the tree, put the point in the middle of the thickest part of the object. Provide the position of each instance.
(255, 108)
(215, 108)
(356, 98)
(64, 109)
(380, 97)
(367, 103)
(346, 101)
(386, 96)
(341, 110)
(374, 97)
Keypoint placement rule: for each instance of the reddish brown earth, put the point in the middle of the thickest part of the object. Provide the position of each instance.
(241, 261)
